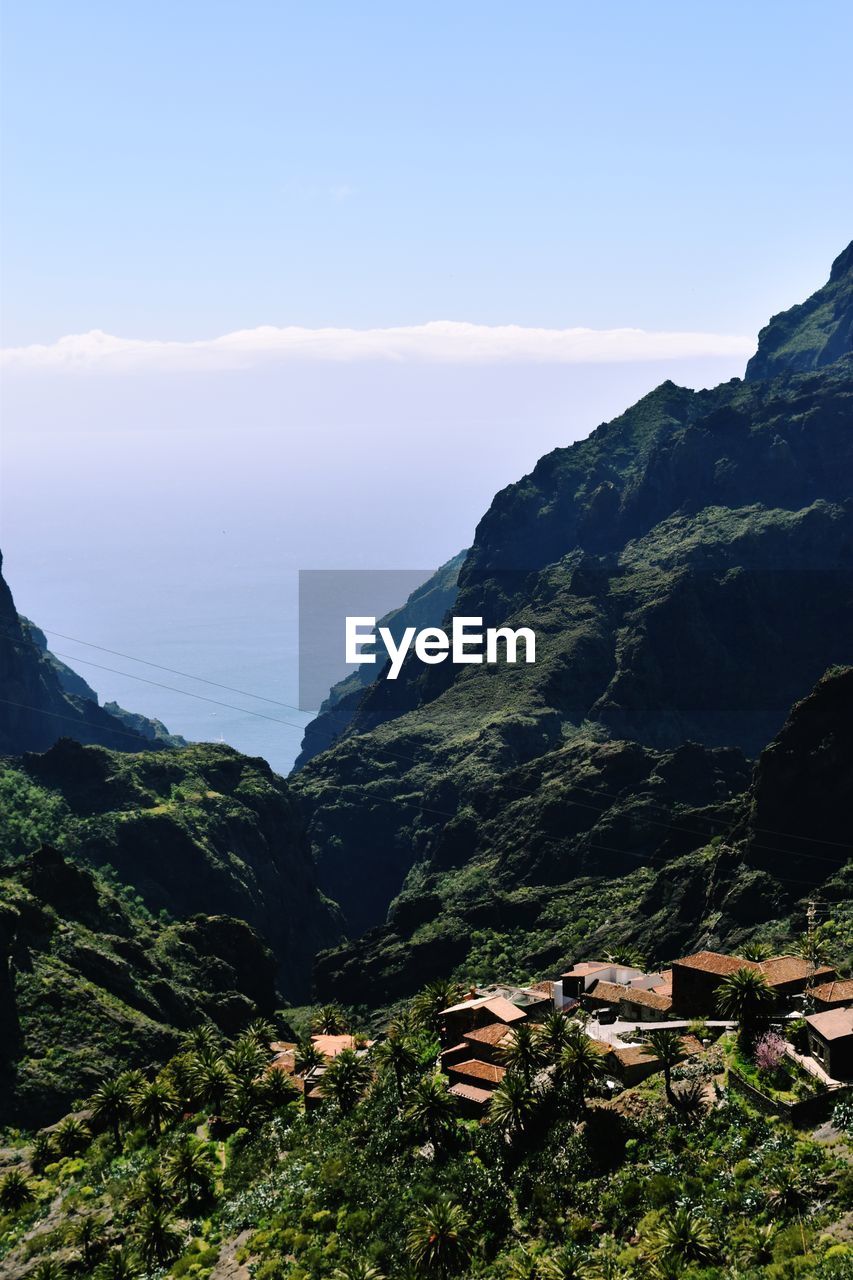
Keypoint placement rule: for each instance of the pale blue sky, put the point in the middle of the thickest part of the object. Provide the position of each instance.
(179, 170)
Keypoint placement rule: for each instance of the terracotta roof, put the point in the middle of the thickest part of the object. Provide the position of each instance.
(834, 1024)
(585, 968)
(471, 1093)
(492, 1033)
(830, 992)
(651, 999)
(610, 991)
(781, 969)
(715, 962)
(478, 1070)
(664, 987)
(282, 1046)
(504, 1009)
(634, 1053)
(331, 1046)
(457, 1048)
(546, 987)
(473, 1002)
(285, 1060)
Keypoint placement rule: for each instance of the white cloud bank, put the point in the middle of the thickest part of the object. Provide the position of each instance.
(440, 341)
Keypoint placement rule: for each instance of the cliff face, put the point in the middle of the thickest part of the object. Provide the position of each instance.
(688, 570)
(42, 700)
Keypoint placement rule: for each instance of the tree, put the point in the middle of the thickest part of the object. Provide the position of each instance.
(683, 1237)
(755, 1249)
(90, 1240)
(755, 949)
(203, 1041)
(112, 1106)
(513, 1104)
(329, 1020)
(786, 1196)
(213, 1082)
(41, 1153)
(49, 1269)
(357, 1269)
(191, 1171)
(345, 1079)
(246, 1059)
(439, 1239)
(627, 955)
(307, 1059)
(746, 996)
(582, 1065)
(565, 1263)
(262, 1031)
(277, 1090)
(432, 1001)
(117, 1265)
(71, 1136)
(158, 1237)
(154, 1105)
(555, 1034)
(152, 1189)
(396, 1054)
(15, 1192)
(522, 1052)
(665, 1045)
(243, 1104)
(431, 1108)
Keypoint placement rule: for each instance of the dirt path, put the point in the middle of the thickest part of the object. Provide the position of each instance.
(228, 1268)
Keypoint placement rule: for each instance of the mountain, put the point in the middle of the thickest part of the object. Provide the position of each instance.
(688, 570)
(42, 700)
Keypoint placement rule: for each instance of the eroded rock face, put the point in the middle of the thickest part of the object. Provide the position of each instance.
(688, 571)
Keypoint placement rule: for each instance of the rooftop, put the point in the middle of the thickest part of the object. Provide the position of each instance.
(781, 969)
(614, 991)
(478, 1070)
(470, 1093)
(331, 1046)
(715, 962)
(493, 1034)
(834, 1024)
(830, 992)
(585, 968)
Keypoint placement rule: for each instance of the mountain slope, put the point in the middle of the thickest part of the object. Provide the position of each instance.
(42, 700)
(688, 570)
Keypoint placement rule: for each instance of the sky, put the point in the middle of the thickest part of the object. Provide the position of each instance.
(302, 286)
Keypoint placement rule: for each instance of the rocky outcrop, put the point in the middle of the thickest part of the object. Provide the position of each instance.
(814, 333)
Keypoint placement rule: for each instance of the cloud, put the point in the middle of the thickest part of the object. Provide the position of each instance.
(438, 342)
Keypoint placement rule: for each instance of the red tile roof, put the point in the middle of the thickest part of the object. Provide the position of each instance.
(471, 1093)
(331, 1046)
(504, 1009)
(493, 1033)
(614, 993)
(478, 1070)
(781, 969)
(715, 962)
(832, 992)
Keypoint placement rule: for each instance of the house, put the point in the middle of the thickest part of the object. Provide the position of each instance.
(331, 1046)
(831, 1041)
(633, 1004)
(792, 975)
(480, 1009)
(696, 979)
(632, 1064)
(572, 984)
(832, 995)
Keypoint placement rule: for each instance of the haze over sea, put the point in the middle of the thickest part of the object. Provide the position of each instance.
(166, 515)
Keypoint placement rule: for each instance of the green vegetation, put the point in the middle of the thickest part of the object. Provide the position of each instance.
(162, 1175)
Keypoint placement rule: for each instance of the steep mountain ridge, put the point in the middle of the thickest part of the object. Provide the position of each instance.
(688, 570)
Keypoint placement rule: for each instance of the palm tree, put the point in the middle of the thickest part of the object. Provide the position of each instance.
(755, 949)
(277, 1090)
(564, 1264)
(627, 955)
(683, 1237)
(357, 1269)
(152, 1189)
(690, 1100)
(606, 1263)
(306, 1060)
(513, 1104)
(90, 1238)
(213, 1082)
(787, 1196)
(246, 1059)
(431, 1108)
(555, 1034)
(527, 1263)
(432, 1001)
(665, 1045)
(158, 1236)
(203, 1041)
(243, 1104)
(117, 1265)
(112, 1106)
(15, 1191)
(262, 1031)
(41, 1153)
(746, 996)
(439, 1239)
(49, 1269)
(345, 1079)
(756, 1248)
(71, 1136)
(582, 1065)
(191, 1171)
(155, 1105)
(329, 1020)
(396, 1054)
(522, 1052)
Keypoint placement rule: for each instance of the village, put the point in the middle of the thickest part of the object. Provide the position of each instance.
(618, 1006)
